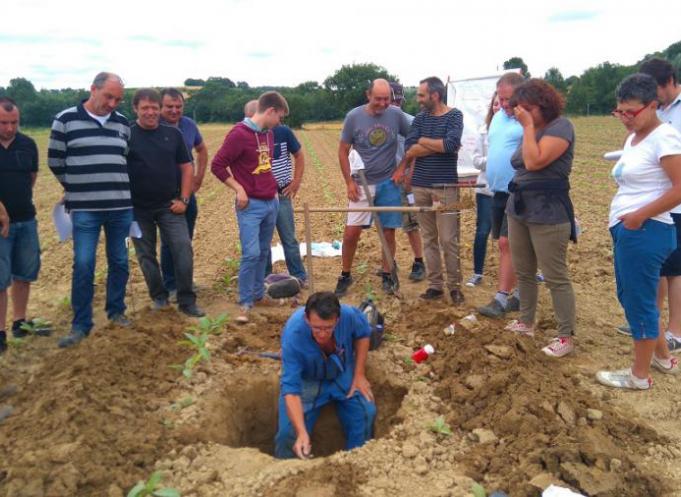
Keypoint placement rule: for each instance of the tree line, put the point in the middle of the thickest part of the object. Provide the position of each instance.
(219, 99)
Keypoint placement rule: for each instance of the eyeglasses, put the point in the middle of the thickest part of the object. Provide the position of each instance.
(627, 114)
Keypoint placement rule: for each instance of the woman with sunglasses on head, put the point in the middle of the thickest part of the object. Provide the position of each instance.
(540, 215)
(648, 176)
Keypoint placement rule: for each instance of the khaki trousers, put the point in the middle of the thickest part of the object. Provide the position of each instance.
(545, 245)
(440, 232)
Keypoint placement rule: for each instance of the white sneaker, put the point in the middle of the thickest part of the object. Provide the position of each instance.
(520, 328)
(559, 347)
(243, 316)
(666, 366)
(623, 378)
(474, 280)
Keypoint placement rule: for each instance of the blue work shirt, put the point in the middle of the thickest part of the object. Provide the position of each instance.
(303, 360)
(505, 135)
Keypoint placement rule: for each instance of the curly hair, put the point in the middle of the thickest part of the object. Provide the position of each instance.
(540, 93)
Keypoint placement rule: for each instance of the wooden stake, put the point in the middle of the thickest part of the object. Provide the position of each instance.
(308, 244)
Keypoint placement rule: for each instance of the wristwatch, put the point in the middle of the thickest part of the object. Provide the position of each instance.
(184, 200)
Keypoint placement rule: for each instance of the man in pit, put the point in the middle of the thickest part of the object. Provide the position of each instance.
(324, 349)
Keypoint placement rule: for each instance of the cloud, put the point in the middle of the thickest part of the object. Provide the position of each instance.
(167, 43)
(260, 55)
(46, 40)
(574, 16)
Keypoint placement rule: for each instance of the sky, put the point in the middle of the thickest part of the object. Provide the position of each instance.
(284, 43)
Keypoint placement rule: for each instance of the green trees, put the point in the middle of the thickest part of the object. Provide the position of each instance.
(347, 86)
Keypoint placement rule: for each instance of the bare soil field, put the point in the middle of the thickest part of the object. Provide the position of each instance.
(95, 419)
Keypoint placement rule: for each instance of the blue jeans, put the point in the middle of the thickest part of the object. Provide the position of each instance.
(256, 227)
(167, 266)
(286, 227)
(355, 414)
(19, 254)
(483, 226)
(86, 228)
(638, 257)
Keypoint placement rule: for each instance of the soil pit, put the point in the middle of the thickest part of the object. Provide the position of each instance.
(245, 414)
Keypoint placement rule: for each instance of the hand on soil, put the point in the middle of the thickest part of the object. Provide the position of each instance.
(362, 384)
(302, 448)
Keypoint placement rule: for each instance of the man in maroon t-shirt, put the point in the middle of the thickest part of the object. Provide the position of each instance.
(244, 164)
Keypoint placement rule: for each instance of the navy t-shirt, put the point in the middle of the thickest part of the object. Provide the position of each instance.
(154, 157)
(17, 163)
(190, 133)
(285, 144)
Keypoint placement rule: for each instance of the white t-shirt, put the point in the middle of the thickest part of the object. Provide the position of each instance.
(672, 114)
(101, 119)
(639, 174)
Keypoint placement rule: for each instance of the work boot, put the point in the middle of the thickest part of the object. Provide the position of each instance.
(513, 304)
(493, 310)
(160, 304)
(457, 297)
(120, 320)
(432, 294)
(192, 310)
(74, 338)
(343, 284)
(418, 271)
(388, 283)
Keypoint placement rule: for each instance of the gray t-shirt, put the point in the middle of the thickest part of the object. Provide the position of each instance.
(375, 139)
(544, 207)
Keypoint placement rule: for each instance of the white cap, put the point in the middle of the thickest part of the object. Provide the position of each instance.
(429, 349)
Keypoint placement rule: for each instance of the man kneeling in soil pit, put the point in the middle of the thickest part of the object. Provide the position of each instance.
(324, 352)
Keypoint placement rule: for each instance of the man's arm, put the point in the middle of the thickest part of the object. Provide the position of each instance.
(434, 145)
(201, 165)
(299, 167)
(343, 153)
(56, 151)
(294, 408)
(359, 380)
(4, 221)
(220, 168)
(178, 206)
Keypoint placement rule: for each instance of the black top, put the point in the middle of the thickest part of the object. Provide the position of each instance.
(153, 165)
(17, 163)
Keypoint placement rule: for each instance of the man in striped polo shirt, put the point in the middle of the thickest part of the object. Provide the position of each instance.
(432, 145)
(87, 154)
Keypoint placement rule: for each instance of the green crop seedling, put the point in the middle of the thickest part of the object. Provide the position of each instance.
(210, 326)
(35, 325)
(197, 343)
(440, 427)
(152, 488)
(478, 490)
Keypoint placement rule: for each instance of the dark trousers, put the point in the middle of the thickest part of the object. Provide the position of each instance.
(167, 266)
(174, 233)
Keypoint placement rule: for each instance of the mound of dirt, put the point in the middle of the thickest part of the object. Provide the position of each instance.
(532, 417)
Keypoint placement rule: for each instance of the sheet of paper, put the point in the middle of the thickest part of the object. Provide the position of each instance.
(62, 222)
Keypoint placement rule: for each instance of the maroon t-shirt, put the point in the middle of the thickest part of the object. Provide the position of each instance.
(247, 156)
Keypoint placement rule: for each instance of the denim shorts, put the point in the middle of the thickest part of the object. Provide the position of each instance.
(386, 194)
(20, 253)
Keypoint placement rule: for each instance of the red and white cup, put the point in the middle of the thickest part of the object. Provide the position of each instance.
(422, 354)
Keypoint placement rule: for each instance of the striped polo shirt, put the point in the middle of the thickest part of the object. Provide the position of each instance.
(89, 160)
(437, 167)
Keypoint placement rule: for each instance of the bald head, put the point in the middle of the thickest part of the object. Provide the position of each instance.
(250, 108)
(378, 96)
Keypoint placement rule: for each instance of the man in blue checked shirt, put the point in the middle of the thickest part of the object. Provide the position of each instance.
(324, 351)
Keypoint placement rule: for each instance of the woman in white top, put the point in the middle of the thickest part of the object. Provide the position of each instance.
(483, 197)
(649, 179)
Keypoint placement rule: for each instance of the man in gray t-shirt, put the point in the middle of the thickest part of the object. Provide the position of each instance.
(372, 130)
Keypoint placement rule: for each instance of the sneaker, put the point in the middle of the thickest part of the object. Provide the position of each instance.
(559, 347)
(388, 283)
(192, 310)
(625, 330)
(418, 271)
(457, 297)
(623, 378)
(72, 339)
(120, 320)
(520, 328)
(343, 284)
(513, 304)
(432, 294)
(669, 366)
(160, 304)
(474, 280)
(39, 328)
(493, 310)
(244, 313)
(673, 343)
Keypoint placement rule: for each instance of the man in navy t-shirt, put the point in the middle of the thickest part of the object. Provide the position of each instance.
(160, 184)
(172, 108)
